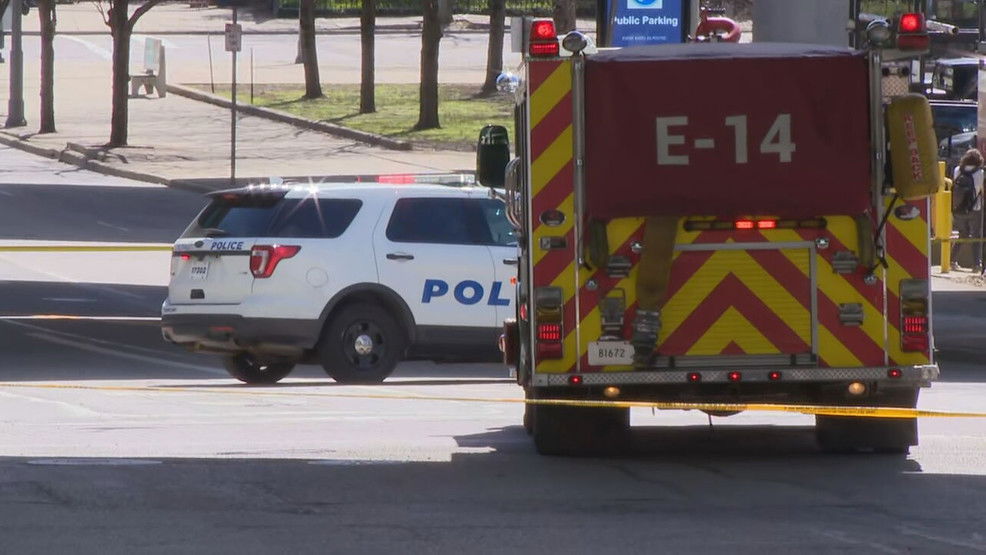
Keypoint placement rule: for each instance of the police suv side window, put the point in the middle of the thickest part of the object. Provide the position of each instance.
(314, 218)
(451, 221)
(501, 230)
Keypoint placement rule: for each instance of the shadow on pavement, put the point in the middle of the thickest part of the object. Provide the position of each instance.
(751, 490)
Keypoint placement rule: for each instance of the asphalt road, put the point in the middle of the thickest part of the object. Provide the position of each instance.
(113, 442)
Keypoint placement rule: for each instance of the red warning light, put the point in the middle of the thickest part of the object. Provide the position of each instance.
(694, 377)
(767, 224)
(911, 23)
(743, 224)
(543, 30)
(894, 373)
(575, 380)
(774, 376)
(735, 376)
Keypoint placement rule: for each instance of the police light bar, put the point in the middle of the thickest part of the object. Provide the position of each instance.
(451, 179)
(912, 32)
(542, 39)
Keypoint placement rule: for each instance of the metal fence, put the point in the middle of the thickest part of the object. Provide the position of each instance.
(329, 8)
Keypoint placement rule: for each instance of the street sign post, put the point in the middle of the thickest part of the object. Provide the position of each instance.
(234, 37)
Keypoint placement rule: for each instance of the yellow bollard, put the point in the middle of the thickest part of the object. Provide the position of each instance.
(941, 206)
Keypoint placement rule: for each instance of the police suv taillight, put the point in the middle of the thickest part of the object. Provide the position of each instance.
(542, 39)
(265, 258)
(912, 32)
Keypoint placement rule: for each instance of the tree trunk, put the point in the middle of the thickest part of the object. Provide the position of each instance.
(494, 53)
(431, 36)
(121, 30)
(564, 16)
(313, 88)
(367, 86)
(46, 14)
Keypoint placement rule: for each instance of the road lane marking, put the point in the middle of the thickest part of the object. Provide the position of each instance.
(92, 462)
(132, 356)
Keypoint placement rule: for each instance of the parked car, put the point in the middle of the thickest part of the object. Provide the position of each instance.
(353, 277)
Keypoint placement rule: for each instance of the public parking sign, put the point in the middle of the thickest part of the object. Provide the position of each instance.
(638, 22)
(234, 37)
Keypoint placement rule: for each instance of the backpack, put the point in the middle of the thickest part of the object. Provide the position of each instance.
(964, 195)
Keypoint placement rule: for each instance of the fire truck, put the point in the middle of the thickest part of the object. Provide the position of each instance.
(799, 272)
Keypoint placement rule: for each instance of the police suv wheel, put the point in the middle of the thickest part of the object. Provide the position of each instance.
(248, 369)
(362, 344)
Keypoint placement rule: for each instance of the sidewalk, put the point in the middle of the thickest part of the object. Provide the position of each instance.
(178, 139)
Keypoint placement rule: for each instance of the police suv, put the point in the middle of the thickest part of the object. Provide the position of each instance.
(354, 277)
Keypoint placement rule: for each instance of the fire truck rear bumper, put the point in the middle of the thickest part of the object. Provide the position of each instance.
(921, 375)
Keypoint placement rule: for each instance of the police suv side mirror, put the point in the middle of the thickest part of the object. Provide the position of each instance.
(492, 155)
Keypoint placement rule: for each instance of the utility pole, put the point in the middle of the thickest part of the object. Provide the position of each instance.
(15, 106)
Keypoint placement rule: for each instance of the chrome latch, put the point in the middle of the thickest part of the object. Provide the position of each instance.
(851, 314)
(845, 262)
(618, 266)
(612, 309)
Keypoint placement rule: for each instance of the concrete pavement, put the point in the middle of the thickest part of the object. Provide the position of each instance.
(176, 139)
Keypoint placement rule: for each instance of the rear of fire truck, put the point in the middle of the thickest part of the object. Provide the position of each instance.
(799, 272)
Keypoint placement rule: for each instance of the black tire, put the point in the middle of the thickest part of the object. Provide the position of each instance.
(361, 344)
(528, 413)
(580, 431)
(248, 369)
(847, 434)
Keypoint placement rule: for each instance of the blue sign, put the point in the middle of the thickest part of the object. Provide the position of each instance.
(638, 22)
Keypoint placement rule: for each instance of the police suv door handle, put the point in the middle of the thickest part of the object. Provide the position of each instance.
(399, 256)
(510, 261)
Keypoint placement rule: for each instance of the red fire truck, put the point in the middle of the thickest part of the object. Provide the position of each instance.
(800, 262)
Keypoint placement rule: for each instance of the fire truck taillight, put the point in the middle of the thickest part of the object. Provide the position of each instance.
(912, 33)
(549, 331)
(543, 40)
(265, 258)
(915, 328)
(750, 224)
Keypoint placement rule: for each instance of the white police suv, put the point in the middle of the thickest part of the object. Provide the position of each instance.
(354, 277)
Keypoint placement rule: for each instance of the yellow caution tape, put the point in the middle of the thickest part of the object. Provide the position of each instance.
(85, 248)
(965, 240)
(824, 410)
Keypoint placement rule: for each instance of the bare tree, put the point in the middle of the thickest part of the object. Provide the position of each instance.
(367, 86)
(46, 14)
(121, 28)
(431, 37)
(494, 53)
(564, 16)
(309, 54)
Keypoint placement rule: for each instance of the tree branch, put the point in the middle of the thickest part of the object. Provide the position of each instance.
(103, 13)
(141, 10)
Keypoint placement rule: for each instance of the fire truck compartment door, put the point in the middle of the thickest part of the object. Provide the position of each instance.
(736, 301)
(727, 130)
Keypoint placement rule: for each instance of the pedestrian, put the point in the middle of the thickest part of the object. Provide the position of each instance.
(967, 206)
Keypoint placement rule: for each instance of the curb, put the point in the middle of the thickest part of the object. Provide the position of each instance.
(283, 117)
(80, 156)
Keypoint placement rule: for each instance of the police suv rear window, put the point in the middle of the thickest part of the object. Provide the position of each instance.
(266, 217)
